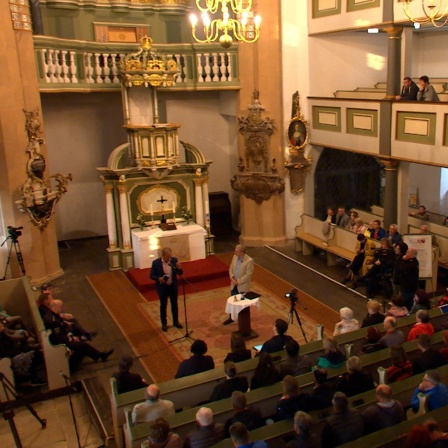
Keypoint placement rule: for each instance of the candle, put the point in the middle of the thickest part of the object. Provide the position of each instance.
(207, 209)
(174, 207)
(151, 211)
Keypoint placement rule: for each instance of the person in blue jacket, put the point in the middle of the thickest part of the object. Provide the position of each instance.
(435, 391)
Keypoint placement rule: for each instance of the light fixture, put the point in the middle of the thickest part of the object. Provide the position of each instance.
(244, 27)
(373, 30)
(434, 11)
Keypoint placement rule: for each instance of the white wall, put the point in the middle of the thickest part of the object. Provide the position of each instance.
(81, 130)
(426, 179)
(429, 57)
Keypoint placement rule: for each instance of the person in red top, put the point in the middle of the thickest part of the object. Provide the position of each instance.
(422, 326)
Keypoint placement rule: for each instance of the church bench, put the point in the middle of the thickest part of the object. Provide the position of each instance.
(266, 398)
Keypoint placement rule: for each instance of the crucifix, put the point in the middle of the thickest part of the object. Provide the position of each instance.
(162, 200)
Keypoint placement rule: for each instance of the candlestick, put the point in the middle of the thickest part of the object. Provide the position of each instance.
(207, 209)
(151, 211)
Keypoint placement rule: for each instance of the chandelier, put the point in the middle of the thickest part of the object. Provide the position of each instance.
(434, 11)
(242, 25)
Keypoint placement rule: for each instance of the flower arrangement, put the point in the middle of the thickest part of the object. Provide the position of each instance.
(141, 221)
(187, 215)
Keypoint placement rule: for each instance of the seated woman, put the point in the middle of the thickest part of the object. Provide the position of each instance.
(25, 361)
(374, 315)
(265, 373)
(397, 308)
(401, 367)
(127, 381)
(238, 350)
(347, 323)
(371, 343)
(355, 381)
(332, 357)
(198, 361)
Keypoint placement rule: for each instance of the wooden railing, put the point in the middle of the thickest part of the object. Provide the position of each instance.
(73, 65)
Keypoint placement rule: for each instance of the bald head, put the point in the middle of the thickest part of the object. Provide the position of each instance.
(390, 323)
(204, 416)
(383, 393)
(152, 392)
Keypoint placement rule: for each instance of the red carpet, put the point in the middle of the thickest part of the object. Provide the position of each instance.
(206, 274)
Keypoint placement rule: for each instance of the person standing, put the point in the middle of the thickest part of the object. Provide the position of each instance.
(164, 272)
(240, 273)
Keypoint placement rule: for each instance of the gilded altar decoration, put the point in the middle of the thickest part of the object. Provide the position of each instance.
(38, 198)
(256, 179)
(297, 135)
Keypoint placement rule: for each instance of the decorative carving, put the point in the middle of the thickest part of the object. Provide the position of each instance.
(257, 186)
(297, 134)
(38, 200)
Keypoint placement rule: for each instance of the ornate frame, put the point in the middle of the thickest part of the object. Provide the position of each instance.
(297, 142)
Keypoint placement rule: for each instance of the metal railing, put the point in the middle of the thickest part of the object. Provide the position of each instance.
(73, 65)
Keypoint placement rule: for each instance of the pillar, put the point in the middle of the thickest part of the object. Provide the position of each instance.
(393, 62)
(124, 215)
(39, 247)
(390, 193)
(199, 205)
(113, 249)
(206, 202)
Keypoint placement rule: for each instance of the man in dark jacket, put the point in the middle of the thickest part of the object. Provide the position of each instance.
(277, 342)
(409, 90)
(429, 359)
(250, 417)
(387, 412)
(294, 364)
(232, 383)
(408, 277)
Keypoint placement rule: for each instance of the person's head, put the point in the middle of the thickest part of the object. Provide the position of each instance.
(361, 237)
(166, 254)
(430, 379)
(373, 335)
(422, 316)
(238, 400)
(265, 360)
(330, 344)
(376, 224)
(56, 306)
(393, 229)
(411, 253)
(353, 364)
(330, 211)
(291, 386)
(280, 326)
(418, 437)
(341, 210)
(239, 434)
(44, 299)
(292, 348)
(303, 423)
(159, 431)
(390, 323)
(407, 81)
(421, 209)
(398, 354)
(397, 301)
(401, 248)
(46, 287)
(385, 243)
(126, 363)
(423, 298)
(424, 341)
(204, 417)
(423, 82)
(152, 392)
(354, 215)
(199, 347)
(358, 223)
(373, 307)
(383, 393)
(240, 250)
(237, 344)
(230, 369)
(320, 375)
(346, 313)
(340, 402)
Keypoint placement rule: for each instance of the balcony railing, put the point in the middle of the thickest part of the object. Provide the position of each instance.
(73, 65)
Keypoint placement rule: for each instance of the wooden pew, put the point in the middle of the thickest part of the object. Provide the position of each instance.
(266, 398)
(187, 392)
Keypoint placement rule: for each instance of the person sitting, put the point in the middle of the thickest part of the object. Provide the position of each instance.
(392, 336)
(374, 316)
(232, 383)
(238, 350)
(292, 399)
(198, 361)
(421, 213)
(438, 437)
(294, 364)
(321, 395)
(372, 341)
(422, 301)
(127, 381)
(303, 428)
(208, 432)
(409, 90)
(277, 342)
(423, 326)
(377, 232)
(444, 350)
(393, 235)
(401, 367)
(359, 227)
(355, 381)
(160, 436)
(344, 425)
(426, 92)
(153, 408)
(430, 357)
(332, 358)
(265, 373)
(435, 391)
(241, 438)
(418, 437)
(351, 223)
(397, 308)
(385, 413)
(25, 362)
(250, 417)
(347, 323)
(342, 219)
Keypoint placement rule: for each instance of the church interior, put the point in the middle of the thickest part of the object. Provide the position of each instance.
(168, 135)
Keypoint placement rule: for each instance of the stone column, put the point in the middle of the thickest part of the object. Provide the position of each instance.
(199, 205)
(110, 216)
(21, 91)
(127, 254)
(206, 202)
(390, 193)
(393, 61)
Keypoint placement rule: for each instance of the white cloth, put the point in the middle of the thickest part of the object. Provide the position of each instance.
(234, 307)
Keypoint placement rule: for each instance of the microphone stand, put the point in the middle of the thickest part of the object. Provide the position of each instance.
(187, 333)
(68, 384)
